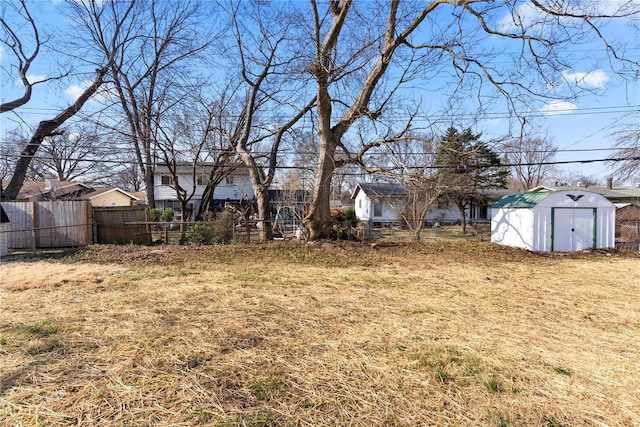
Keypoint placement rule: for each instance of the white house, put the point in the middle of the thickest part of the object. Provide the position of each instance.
(379, 204)
(235, 188)
(544, 220)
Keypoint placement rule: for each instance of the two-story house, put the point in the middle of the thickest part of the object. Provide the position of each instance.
(235, 188)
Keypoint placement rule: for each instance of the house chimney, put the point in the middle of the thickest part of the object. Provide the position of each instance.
(50, 185)
(609, 183)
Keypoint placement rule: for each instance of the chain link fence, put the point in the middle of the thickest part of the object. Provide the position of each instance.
(628, 234)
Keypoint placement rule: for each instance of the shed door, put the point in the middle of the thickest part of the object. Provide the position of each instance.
(573, 229)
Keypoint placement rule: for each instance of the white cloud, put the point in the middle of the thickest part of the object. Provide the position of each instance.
(106, 91)
(1, 52)
(616, 7)
(75, 91)
(493, 122)
(597, 79)
(524, 15)
(530, 17)
(555, 108)
(33, 78)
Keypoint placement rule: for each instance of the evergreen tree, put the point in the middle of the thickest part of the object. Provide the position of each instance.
(469, 167)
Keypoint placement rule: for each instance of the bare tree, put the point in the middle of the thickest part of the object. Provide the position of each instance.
(264, 47)
(124, 174)
(154, 74)
(112, 21)
(410, 161)
(72, 153)
(452, 39)
(193, 152)
(24, 47)
(219, 155)
(627, 155)
(530, 159)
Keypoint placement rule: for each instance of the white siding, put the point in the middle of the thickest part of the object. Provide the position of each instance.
(240, 188)
(512, 227)
(450, 214)
(541, 229)
(362, 206)
(561, 221)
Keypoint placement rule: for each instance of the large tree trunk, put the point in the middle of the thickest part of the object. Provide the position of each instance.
(150, 185)
(318, 221)
(205, 201)
(44, 129)
(463, 218)
(264, 211)
(22, 165)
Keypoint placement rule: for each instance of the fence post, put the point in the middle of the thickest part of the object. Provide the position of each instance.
(34, 225)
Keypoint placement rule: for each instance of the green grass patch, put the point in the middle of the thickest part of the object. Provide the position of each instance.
(562, 371)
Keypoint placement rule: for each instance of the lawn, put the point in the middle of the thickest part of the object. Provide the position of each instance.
(442, 333)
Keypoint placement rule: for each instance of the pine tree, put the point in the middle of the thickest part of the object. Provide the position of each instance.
(469, 167)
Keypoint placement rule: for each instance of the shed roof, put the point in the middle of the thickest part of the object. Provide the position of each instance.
(3, 215)
(525, 200)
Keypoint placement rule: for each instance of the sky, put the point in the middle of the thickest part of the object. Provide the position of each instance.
(584, 128)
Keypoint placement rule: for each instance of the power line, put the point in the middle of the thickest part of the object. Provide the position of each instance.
(465, 167)
(612, 109)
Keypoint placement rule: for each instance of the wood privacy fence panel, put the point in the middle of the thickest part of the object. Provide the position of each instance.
(122, 224)
(19, 232)
(50, 224)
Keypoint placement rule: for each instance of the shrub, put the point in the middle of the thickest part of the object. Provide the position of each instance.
(223, 228)
(219, 230)
(350, 214)
(155, 215)
(167, 215)
(200, 233)
(341, 233)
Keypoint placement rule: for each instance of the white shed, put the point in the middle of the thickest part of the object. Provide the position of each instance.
(544, 220)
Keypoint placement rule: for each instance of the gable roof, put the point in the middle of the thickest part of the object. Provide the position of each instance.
(381, 190)
(35, 189)
(612, 193)
(99, 191)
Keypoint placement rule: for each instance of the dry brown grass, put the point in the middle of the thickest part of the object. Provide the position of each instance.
(444, 333)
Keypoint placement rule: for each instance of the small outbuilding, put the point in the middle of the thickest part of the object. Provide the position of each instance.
(4, 224)
(547, 220)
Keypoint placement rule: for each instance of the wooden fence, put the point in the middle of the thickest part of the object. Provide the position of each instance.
(51, 224)
(122, 224)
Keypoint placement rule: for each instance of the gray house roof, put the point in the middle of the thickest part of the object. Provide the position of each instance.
(381, 190)
(615, 194)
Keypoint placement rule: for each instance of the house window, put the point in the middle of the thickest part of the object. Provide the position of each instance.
(443, 204)
(360, 204)
(229, 180)
(165, 180)
(481, 212)
(377, 208)
(200, 180)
